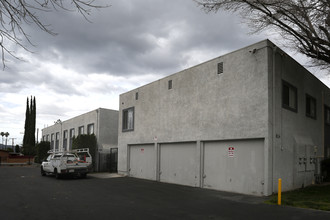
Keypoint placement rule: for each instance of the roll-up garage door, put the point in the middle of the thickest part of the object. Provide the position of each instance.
(178, 163)
(142, 163)
(236, 166)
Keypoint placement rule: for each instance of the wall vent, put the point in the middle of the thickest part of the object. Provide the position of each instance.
(220, 67)
(170, 84)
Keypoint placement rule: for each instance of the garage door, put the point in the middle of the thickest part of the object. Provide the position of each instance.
(235, 166)
(178, 163)
(142, 163)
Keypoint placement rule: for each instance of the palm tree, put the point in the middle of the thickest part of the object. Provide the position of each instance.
(2, 134)
(6, 134)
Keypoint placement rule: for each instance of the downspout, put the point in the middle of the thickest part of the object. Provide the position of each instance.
(274, 49)
(61, 138)
(97, 162)
(323, 129)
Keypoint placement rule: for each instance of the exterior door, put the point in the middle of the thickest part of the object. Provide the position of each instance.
(113, 160)
(142, 162)
(234, 166)
(178, 163)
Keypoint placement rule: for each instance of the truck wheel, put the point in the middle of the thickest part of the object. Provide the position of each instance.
(84, 175)
(57, 175)
(43, 173)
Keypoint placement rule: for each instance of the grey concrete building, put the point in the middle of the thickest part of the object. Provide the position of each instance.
(101, 122)
(236, 123)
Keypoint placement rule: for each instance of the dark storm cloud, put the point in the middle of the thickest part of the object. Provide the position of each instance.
(122, 39)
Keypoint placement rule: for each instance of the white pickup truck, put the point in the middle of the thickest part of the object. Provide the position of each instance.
(73, 163)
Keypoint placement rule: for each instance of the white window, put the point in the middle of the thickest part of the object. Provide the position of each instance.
(310, 107)
(57, 143)
(65, 139)
(81, 130)
(289, 97)
(90, 129)
(52, 143)
(128, 119)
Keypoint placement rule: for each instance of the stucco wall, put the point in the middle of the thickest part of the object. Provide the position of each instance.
(105, 127)
(243, 102)
(202, 105)
(108, 128)
(294, 130)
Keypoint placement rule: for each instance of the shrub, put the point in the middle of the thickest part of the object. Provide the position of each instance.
(42, 148)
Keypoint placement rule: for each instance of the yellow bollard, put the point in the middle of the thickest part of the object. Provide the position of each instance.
(279, 191)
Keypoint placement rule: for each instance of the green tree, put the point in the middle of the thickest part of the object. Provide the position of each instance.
(304, 24)
(2, 134)
(29, 128)
(17, 149)
(86, 141)
(42, 148)
(33, 121)
(26, 124)
(6, 135)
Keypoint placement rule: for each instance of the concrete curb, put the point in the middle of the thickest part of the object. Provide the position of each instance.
(105, 175)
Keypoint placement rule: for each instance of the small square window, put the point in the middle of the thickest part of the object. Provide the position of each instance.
(128, 119)
(170, 84)
(220, 68)
(310, 106)
(289, 97)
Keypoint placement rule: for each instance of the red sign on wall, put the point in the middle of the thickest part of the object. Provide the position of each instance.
(231, 151)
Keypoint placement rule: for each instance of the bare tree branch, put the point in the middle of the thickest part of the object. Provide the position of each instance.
(14, 14)
(305, 24)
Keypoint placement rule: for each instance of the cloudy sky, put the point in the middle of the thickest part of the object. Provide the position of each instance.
(133, 42)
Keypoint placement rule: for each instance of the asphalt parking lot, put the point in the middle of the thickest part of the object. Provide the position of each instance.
(25, 194)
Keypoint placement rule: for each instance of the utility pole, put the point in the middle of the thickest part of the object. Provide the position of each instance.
(37, 135)
(12, 143)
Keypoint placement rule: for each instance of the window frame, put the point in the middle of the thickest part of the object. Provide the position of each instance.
(312, 99)
(52, 141)
(57, 140)
(295, 90)
(326, 110)
(88, 128)
(72, 135)
(125, 127)
(65, 139)
(81, 130)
